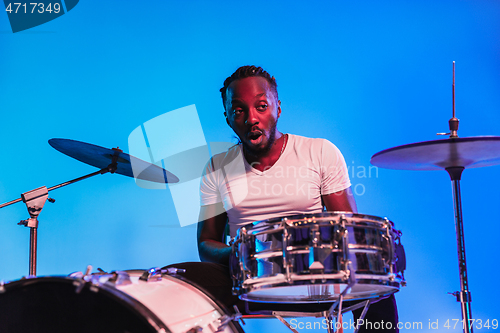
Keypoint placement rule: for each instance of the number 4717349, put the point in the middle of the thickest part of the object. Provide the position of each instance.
(32, 7)
(473, 323)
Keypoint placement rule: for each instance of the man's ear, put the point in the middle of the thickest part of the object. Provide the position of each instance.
(227, 120)
(279, 109)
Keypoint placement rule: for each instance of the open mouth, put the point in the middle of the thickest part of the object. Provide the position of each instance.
(255, 136)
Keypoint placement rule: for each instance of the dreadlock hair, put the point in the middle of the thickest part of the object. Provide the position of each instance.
(248, 71)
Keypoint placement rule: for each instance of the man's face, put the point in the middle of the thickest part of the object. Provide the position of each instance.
(252, 111)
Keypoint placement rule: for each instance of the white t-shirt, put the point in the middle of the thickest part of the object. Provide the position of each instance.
(307, 169)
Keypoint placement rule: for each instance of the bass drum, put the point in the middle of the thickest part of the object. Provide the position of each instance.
(117, 302)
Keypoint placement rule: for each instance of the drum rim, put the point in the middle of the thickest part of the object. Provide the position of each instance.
(298, 217)
(250, 296)
(245, 293)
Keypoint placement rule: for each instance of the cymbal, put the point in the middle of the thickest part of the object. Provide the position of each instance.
(101, 157)
(471, 152)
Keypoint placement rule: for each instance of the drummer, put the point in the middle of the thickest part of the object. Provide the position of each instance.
(283, 174)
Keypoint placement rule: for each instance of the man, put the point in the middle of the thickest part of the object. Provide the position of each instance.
(280, 175)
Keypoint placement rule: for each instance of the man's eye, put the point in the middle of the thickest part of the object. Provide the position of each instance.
(262, 107)
(237, 111)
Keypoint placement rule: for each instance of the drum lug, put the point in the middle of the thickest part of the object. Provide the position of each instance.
(345, 243)
(347, 275)
(286, 266)
(242, 247)
(403, 280)
(92, 280)
(83, 278)
(155, 273)
(226, 319)
(237, 315)
(120, 278)
(315, 235)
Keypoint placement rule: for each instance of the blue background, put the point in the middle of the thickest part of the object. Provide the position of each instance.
(365, 75)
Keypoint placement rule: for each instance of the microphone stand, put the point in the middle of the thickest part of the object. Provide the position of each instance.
(35, 200)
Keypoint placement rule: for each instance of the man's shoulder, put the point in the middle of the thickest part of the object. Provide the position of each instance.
(225, 157)
(299, 140)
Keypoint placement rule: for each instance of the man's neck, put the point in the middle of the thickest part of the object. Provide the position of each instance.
(266, 160)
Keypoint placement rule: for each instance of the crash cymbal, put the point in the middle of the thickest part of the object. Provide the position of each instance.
(471, 152)
(101, 157)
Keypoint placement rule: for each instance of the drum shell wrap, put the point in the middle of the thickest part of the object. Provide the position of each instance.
(51, 304)
(312, 258)
(101, 304)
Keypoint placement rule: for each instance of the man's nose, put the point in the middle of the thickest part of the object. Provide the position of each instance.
(252, 117)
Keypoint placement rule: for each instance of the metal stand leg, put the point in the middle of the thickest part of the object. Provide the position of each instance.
(329, 320)
(33, 238)
(463, 296)
(363, 314)
(329, 314)
(35, 200)
(280, 318)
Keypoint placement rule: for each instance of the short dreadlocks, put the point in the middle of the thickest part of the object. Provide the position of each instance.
(248, 71)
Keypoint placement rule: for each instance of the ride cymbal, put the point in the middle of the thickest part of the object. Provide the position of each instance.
(101, 158)
(471, 152)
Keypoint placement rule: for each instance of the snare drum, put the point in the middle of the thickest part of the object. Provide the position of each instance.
(116, 302)
(314, 258)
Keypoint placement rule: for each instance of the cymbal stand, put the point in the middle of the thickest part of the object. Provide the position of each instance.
(464, 295)
(35, 200)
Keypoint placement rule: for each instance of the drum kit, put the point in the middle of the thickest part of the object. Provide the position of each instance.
(327, 258)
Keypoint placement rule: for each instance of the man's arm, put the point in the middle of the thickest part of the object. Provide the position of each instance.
(342, 201)
(211, 247)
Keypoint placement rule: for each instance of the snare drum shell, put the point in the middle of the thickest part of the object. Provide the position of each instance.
(304, 258)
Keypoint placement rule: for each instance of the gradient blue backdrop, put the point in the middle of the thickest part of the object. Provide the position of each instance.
(365, 75)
